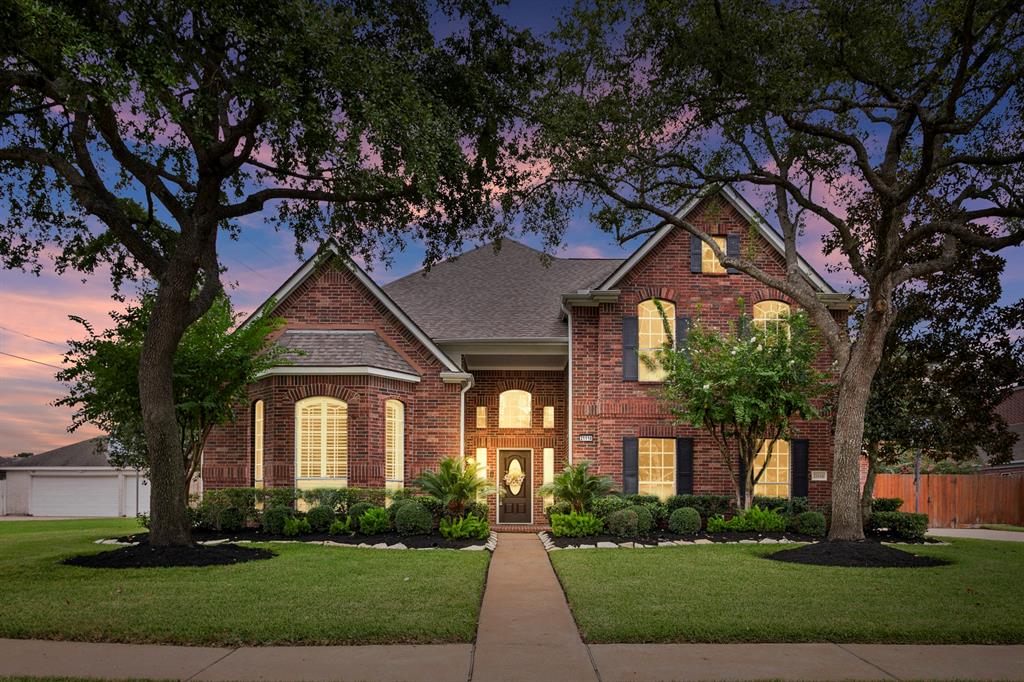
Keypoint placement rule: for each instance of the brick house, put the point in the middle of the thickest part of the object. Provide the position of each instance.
(518, 363)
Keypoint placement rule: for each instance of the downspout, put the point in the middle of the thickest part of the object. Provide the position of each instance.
(468, 384)
(568, 419)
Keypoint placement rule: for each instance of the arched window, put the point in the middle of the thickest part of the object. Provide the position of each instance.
(394, 444)
(321, 443)
(770, 313)
(257, 444)
(652, 336)
(774, 482)
(514, 410)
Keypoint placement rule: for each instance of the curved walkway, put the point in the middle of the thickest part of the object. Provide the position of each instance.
(526, 632)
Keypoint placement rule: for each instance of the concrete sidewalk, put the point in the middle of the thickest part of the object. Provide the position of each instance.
(978, 534)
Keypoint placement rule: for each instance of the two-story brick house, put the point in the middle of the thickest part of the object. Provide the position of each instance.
(516, 362)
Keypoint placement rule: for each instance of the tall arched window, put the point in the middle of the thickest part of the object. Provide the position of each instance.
(394, 444)
(772, 313)
(321, 443)
(257, 444)
(514, 409)
(652, 336)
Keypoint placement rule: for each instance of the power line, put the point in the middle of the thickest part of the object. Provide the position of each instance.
(29, 336)
(38, 362)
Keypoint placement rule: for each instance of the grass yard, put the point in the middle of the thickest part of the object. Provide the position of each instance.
(309, 594)
(1003, 526)
(729, 593)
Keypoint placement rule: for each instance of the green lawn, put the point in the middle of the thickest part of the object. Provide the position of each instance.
(1003, 526)
(310, 594)
(729, 593)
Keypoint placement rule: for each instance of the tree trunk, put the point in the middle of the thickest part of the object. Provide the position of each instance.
(869, 483)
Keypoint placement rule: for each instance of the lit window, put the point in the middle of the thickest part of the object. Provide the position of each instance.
(481, 463)
(709, 262)
(774, 482)
(770, 313)
(257, 444)
(481, 417)
(549, 416)
(549, 473)
(321, 442)
(657, 467)
(394, 444)
(652, 336)
(514, 410)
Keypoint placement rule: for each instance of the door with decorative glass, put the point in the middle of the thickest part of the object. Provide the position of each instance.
(515, 487)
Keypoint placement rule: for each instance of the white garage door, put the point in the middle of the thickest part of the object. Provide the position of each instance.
(75, 496)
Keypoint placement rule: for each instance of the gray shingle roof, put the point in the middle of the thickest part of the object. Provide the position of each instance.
(86, 453)
(510, 294)
(341, 348)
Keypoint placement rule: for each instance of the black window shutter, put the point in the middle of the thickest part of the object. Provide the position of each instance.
(630, 465)
(684, 466)
(630, 359)
(732, 250)
(799, 461)
(682, 329)
(695, 255)
(742, 471)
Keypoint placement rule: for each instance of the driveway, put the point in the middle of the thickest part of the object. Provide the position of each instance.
(977, 534)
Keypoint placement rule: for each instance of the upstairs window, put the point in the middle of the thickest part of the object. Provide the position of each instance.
(709, 262)
(652, 336)
(514, 410)
(394, 444)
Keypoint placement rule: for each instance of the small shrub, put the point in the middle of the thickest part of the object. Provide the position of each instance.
(273, 519)
(395, 506)
(573, 525)
(659, 514)
(706, 505)
(623, 523)
(143, 520)
(898, 525)
(602, 507)
(413, 519)
(886, 504)
(293, 526)
(478, 509)
(340, 527)
(810, 523)
(320, 518)
(433, 505)
(356, 511)
(684, 521)
(754, 519)
(465, 528)
(374, 521)
(278, 497)
(231, 520)
(557, 508)
(644, 519)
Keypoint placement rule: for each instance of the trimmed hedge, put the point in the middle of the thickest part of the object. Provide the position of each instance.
(810, 523)
(602, 507)
(898, 525)
(623, 523)
(413, 518)
(706, 505)
(273, 519)
(886, 504)
(320, 518)
(684, 521)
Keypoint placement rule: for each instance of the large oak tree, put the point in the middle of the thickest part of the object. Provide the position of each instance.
(896, 127)
(136, 134)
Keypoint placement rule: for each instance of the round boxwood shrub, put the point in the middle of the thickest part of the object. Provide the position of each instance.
(396, 505)
(644, 519)
(320, 518)
(231, 520)
(273, 518)
(685, 521)
(811, 523)
(622, 523)
(356, 511)
(413, 519)
(602, 507)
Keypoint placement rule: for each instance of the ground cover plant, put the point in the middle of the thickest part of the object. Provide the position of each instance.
(730, 593)
(382, 597)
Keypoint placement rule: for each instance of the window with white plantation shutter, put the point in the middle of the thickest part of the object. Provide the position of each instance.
(257, 444)
(394, 444)
(321, 439)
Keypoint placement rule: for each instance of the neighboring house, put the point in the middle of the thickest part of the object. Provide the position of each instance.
(74, 480)
(1012, 410)
(518, 363)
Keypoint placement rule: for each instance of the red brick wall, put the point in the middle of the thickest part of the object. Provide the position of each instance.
(1012, 409)
(610, 408)
(333, 298)
(546, 388)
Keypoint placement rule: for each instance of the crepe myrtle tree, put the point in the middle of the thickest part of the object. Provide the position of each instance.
(213, 366)
(952, 355)
(743, 386)
(894, 128)
(135, 134)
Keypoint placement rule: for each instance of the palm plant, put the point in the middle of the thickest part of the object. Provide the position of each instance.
(578, 487)
(453, 484)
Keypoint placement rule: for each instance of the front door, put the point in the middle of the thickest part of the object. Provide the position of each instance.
(515, 487)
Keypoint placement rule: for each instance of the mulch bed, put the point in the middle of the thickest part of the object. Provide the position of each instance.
(145, 556)
(856, 553)
(664, 536)
(256, 535)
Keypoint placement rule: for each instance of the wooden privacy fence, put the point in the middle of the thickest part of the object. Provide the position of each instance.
(952, 500)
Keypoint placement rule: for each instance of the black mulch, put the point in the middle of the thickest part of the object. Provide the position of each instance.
(145, 556)
(664, 536)
(256, 535)
(858, 553)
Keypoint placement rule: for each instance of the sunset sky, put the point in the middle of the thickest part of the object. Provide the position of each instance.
(34, 310)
